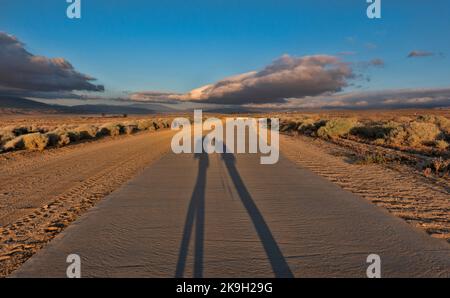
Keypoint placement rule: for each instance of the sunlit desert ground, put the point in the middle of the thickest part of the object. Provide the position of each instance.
(55, 167)
(399, 160)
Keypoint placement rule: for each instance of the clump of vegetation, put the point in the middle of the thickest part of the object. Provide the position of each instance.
(32, 141)
(372, 131)
(288, 126)
(413, 134)
(438, 166)
(441, 122)
(337, 127)
(374, 158)
(6, 135)
(425, 134)
(130, 128)
(145, 124)
(421, 133)
(39, 138)
(35, 141)
(305, 125)
(441, 145)
(164, 123)
(86, 131)
(310, 126)
(65, 139)
(63, 136)
(110, 129)
(14, 144)
(161, 124)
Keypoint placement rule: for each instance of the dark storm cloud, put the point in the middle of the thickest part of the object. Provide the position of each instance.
(23, 72)
(285, 77)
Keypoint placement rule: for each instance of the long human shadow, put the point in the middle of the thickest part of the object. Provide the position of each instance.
(195, 215)
(273, 252)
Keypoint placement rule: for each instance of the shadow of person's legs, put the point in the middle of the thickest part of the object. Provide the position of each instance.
(273, 252)
(195, 214)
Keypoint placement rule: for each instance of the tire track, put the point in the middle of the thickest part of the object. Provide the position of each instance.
(26, 230)
(398, 190)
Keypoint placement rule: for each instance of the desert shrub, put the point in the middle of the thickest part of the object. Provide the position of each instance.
(374, 158)
(421, 133)
(441, 144)
(413, 134)
(441, 122)
(86, 131)
(35, 141)
(110, 129)
(14, 144)
(163, 123)
(288, 126)
(144, 124)
(371, 131)
(337, 127)
(22, 130)
(318, 124)
(130, 128)
(73, 135)
(53, 138)
(61, 137)
(380, 142)
(426, 118)
(444, 125)
(10, 132)
(64, 139)
(438, 165)
(6, 135)
(156, 125)
(397, 134)
(18, 131)
(307, 126)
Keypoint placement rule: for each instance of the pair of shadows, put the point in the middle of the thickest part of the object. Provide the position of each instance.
(196, 214)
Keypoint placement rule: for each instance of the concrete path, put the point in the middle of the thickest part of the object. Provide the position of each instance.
(224, 215)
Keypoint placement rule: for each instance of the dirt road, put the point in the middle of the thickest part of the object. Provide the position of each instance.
(42, 192)
(224, 215)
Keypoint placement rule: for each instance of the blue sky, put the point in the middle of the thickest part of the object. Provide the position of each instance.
(180, 45)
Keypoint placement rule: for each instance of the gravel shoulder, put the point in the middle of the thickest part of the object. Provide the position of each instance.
(396, 187)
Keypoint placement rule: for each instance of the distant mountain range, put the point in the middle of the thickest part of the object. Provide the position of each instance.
(15, 105)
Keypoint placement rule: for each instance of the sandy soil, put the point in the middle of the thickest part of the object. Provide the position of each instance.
(43, 192)
(397, 187)
(224, 215)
